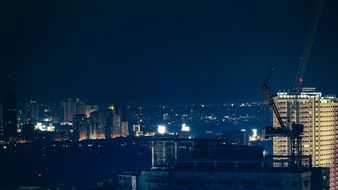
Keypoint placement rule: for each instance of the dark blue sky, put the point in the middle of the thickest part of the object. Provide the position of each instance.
(164, 51)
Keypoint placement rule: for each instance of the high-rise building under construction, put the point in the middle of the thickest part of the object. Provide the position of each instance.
(319, 115)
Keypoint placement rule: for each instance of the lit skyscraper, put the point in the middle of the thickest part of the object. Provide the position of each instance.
(81, 126)
(72, 107)
(98, 125)
(116, 132)
(318, 114)
(80, 106)
(107, 124)
(68, 110)
(121, 110)
(31, 112)
(124, 129)
(334, 165)
(90, 108)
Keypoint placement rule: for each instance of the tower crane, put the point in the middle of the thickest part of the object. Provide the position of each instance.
(304, 59)
(293, 132)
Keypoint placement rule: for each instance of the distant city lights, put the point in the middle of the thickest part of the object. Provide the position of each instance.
(50, 128)
(111, 107)
(66, 123)
(254, 136)
(42, 127)
(161, 129)
(185, 127)
(254, 132)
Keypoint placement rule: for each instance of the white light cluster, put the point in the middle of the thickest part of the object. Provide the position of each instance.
(50, 128)
(161, 129)
(42, 127)
(254, 136)
(302, 95)
(66, 123)
(185, 128)
(254, 132)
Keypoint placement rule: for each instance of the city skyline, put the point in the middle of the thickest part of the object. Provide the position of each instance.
(158, 95)
(164, 52)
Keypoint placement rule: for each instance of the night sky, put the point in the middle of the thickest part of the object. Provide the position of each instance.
(163, 51)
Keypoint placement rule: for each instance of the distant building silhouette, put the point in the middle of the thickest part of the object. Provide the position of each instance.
(137, 130)
(90, 108)
(121, 110)
(98, 125)
(107, 124)
(31, 112)
(81, 125)
(124, 129)
(116, 131)
(9, 118)
(72, 107)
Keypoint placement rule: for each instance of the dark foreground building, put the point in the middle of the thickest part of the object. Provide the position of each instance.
(212, 164)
